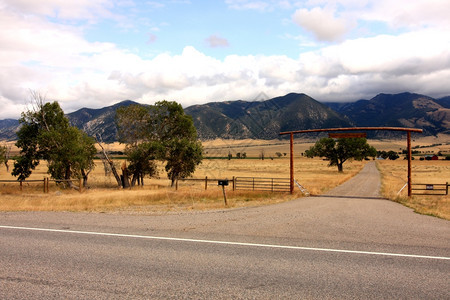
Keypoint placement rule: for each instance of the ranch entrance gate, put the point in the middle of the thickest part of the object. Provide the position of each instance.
(408, 144)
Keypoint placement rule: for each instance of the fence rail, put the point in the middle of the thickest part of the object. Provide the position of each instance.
(430, 188)
(262, 184)
(236, 183)
(205, 180)
(45, 183)
(248, 183)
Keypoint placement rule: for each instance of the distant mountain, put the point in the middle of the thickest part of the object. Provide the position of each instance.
(8, 129)
(262, 119)
(92, 121)
(445, 102)
(399, 110)
(97, 122)
(265, 119)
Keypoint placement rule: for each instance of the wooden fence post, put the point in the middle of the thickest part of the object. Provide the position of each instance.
(206, 183)
(224, 195)
(45, 185)
(234, 188)
(80, 184)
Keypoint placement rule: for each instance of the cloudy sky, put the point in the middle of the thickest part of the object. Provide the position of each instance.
(93, 53)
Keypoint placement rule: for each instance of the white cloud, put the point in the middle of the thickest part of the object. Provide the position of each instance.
(410, 14)
(67, 9)
(57, 60)
(321, 23)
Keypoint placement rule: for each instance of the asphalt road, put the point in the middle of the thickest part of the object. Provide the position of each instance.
(346, 245)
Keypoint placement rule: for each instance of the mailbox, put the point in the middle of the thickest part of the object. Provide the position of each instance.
(223, 182)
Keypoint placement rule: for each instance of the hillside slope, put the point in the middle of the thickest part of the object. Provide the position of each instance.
(266, 119)
(263, 120)
(399, 110)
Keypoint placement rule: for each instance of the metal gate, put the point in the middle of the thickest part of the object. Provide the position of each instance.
(430, 189)
(262, 184)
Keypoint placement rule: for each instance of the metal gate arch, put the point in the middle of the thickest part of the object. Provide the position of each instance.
(408, 144)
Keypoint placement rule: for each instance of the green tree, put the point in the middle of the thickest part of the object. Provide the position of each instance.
(182, 151)
(136, 130)
(338, 152)
(4, 156)
(46, 134)
(162, 131)
(134, 124)
(142, 160)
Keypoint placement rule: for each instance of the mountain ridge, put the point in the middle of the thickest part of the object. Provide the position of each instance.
(265, 119)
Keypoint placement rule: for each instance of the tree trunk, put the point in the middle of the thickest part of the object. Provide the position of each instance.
(68, 181)
(136, 177)
(111, 164)
(85, 177)
(126, 180)
(340, 167)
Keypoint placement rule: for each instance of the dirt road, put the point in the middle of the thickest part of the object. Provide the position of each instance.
(366, 183)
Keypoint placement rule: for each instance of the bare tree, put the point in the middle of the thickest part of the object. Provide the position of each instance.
(106, 159)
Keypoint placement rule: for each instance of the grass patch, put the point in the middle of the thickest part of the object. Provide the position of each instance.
(394, 176)
(157, 195)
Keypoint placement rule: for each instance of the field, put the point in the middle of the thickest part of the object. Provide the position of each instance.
(156, 196)
(394, 177)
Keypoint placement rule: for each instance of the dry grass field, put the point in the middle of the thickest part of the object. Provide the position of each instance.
(156, 196)
(394, 177)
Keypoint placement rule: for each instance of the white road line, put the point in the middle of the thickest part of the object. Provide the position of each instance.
(225, 242)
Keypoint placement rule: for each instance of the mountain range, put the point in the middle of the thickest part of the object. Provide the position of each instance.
(266, 119)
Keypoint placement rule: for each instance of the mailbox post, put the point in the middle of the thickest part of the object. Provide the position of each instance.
(224, 183)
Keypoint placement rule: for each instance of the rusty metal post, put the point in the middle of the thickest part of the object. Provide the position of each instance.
(291, 163)
(409, 163)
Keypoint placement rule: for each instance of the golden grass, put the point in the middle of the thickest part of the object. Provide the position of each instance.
(157, 195)
(394, 177)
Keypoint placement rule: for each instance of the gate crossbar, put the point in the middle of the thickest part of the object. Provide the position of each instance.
(262, 184)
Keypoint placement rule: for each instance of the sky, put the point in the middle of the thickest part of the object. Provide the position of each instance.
(95, 53)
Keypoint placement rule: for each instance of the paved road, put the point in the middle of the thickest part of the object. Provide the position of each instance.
(333, 247)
